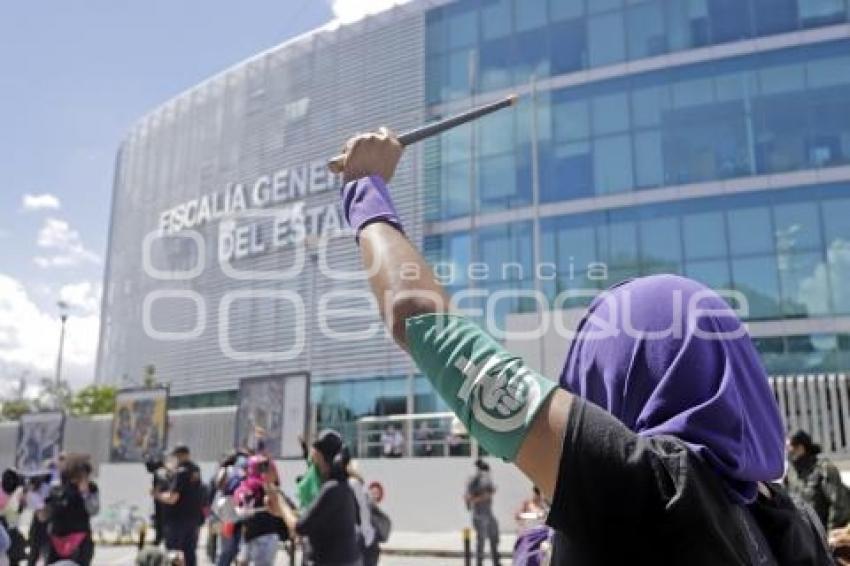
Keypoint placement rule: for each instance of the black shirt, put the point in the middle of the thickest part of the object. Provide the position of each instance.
(625, 499)
(186, 482)
(67, 510)
(330, 522)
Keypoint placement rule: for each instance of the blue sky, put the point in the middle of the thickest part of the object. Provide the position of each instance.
(75, 76)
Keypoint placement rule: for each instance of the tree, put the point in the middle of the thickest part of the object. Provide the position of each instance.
(12, 409)
(54, 396)
(93, 400)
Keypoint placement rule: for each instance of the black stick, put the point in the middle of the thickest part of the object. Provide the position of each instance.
(335, 164)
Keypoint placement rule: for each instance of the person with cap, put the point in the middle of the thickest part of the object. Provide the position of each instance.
(330, 522)
(816, 480)
(661, 443)
(479, 501)
(259, 527)
(183, 505)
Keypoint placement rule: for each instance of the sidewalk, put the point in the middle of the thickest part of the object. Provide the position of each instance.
(444, 545)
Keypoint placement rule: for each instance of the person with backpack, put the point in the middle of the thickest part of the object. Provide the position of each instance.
(381, 523)
(259, 527)
(68, 510)
(661, 440)
(374, 523)
(816, 480)
(183, 505)
(331, 521)
(229, 477)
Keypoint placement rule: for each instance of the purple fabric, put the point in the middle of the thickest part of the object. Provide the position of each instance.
(708, 390)
(527, 549)
(367, 200)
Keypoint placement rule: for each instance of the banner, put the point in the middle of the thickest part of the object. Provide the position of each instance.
(139, 424)
(39, 440)
(275, 407)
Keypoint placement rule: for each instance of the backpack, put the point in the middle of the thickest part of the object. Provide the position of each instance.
(790, 527)
(380, 522)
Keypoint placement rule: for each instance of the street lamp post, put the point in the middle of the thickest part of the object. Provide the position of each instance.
(63, 316)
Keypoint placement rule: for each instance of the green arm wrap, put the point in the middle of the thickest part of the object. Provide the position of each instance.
(309, 485)
(490, 390)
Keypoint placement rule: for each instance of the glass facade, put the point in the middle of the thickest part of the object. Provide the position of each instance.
(733, 169)
(494, 44)
(719, 119)
(787, 251)
(704, 122)
(340, 403)
(783, 355)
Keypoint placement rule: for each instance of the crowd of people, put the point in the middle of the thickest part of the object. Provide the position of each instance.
(62, 500)
(336, 519)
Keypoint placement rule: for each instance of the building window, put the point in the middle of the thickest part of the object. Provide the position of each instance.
(605, 34)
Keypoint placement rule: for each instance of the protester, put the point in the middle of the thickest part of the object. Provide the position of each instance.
(330, 522)
(228, 479)
(532, 511)
(68, 510)
(160, 479)
(659, 445)
(816, 480)
(5, 545)
(839, 543)
(11, 503)
(479, 500)
(260, 528)
(368, 537)
(183, 500)
(36, 492)
(533, 546)
(381, 523)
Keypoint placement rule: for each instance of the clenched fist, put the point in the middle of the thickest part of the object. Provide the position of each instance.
(375, 153)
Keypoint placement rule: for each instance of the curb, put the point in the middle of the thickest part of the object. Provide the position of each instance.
(433, 553)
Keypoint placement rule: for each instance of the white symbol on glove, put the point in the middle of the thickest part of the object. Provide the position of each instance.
(503, 395)
(509, 397)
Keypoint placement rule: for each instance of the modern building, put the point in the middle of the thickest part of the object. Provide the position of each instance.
(709, 138)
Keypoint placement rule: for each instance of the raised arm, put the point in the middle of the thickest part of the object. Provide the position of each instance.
(510, 409)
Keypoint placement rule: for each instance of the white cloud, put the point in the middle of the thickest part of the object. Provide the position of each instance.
(57, 235)
(347, 11)
(29, 336)
(43, 201)
(83, 296)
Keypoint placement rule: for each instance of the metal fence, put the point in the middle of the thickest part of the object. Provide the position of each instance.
(818, 404)
(422, 435)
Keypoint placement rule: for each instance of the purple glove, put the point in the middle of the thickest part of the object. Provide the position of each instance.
(367, 200)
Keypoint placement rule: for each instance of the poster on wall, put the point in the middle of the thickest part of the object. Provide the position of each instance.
(139, 424)
(40, 438)
(274, 408)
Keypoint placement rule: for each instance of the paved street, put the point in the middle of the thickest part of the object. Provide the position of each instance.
(125, 556)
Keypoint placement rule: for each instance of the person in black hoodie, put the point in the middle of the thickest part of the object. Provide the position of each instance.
(330, 521)
(69, 508)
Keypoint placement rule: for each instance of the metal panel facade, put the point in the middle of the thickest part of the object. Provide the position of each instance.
(285, 110)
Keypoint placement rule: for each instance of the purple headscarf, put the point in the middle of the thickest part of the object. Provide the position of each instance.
(666, 355)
